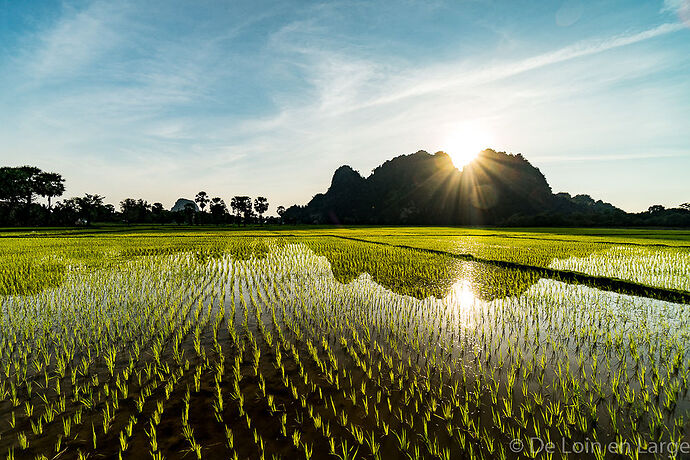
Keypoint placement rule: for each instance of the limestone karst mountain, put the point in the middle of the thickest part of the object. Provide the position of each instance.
(181, 203)
(423, 188)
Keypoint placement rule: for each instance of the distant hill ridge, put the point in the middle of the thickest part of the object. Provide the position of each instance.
(422, 188)
(181, 203)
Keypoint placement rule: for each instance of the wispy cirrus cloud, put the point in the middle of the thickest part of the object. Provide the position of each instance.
(439, 79)
(75, 41)
(679, 7)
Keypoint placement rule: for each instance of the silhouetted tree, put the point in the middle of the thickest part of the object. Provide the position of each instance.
(261, 206)
(189, 212)
(49, 185)
(89, 208)
(67, 212)
(248, 213)
(280, 211)
(201, 199)
(218, 209)
(19, 184)
(159, 214)
(242, 206)
(656, 208)
(236, 203)
(685, 206)
(10, 183)
(135, 210)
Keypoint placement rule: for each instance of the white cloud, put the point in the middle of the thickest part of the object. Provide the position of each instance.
(75, 40)
(673, 5)
(681, 8)
(438, 79)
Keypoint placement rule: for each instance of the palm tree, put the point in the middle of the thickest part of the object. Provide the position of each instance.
(236, 205)
(218, 209)
(242, 205)
(261, 206)
(248, 210)
(202, 198)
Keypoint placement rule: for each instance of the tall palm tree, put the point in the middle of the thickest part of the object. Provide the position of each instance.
(236, 205)
(242, 205)
(261, 206)
(202, 199)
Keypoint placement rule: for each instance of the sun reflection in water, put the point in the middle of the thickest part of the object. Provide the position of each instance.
(461, 292)
(462, 300)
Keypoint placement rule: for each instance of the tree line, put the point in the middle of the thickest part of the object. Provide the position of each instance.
(21, 186)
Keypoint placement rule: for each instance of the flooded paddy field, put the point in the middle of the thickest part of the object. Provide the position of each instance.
(372, 344)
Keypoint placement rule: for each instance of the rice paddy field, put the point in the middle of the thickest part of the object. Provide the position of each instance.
(367, 343)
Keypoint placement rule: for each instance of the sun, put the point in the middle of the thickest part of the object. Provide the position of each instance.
(465, 142)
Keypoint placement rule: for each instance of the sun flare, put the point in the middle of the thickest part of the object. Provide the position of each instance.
(465, 142)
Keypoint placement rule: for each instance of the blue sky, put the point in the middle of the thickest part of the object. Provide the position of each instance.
(161, 99)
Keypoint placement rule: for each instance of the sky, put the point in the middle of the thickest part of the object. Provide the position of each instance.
(161, 99)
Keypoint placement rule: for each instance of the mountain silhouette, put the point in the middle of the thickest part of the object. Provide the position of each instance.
(423, 188)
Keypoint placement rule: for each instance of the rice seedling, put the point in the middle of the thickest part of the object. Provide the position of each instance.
(322, 346)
